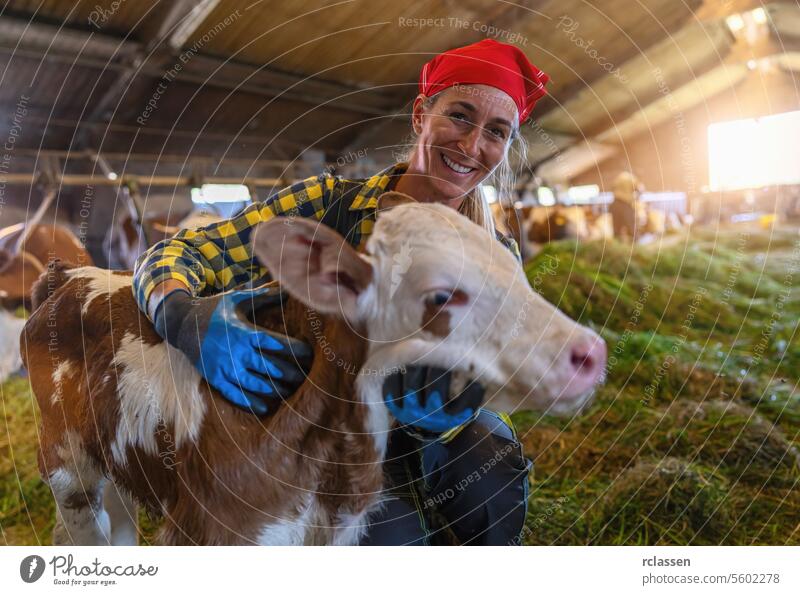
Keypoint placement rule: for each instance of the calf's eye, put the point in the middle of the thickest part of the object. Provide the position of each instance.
(440, 298)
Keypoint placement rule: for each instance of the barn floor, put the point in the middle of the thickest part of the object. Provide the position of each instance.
(693, 440)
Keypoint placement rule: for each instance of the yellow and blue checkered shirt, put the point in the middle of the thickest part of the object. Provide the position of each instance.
(219, 257)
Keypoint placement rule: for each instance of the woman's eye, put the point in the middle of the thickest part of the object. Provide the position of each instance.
(459, 116)
(498, 132)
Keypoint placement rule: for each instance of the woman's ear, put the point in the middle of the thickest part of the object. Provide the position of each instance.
(416, 113)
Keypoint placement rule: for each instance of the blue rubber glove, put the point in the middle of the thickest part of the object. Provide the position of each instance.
(418, 399)
(252, 367)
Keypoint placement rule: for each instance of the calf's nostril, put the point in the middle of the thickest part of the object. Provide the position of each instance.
(583, 366)
(588, 357)
(582, 360)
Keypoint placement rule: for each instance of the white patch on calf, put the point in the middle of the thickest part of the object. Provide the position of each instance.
(155, 383)
(78, 477)
(10, 329)
(350, 528)
(62, 370)
(501, 332)
(74, 457)
(289, 531)
(447, 252)
(100, 283)
(369, 388)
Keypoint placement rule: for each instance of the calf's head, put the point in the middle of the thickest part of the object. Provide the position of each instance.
(433, 288)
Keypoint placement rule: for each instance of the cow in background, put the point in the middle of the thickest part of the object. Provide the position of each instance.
(21, 264)
(22, 261)
(536, 225)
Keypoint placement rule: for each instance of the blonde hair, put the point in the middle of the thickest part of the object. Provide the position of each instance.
(475, 207)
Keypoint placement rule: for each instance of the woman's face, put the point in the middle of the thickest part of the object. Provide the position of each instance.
(462, 138)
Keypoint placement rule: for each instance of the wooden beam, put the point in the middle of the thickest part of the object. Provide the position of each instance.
(30, 178)
(181, 19)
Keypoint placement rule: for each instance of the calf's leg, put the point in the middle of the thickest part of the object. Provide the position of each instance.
(123, 514)
(77, 487)
(80, 516)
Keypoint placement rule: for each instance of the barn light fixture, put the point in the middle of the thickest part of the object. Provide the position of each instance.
(546, 196)
(751, 24)
(582, 194)
(104, 166)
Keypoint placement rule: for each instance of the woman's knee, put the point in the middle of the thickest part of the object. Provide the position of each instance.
(479, 481)
(397, 522)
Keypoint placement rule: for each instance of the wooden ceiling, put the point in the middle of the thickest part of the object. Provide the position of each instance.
(372, 43)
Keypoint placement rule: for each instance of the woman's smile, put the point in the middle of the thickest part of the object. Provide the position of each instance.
(457, 167)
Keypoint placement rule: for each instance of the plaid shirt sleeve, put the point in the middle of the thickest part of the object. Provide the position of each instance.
(219, 256)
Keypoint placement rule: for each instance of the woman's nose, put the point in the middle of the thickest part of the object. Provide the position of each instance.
(469, 144)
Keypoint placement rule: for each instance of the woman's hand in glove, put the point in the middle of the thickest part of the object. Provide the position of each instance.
(253, 368)
(419, 398)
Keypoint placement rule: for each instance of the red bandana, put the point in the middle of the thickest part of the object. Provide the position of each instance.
(491, 63)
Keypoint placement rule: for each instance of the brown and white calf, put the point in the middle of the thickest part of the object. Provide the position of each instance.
(119, 404)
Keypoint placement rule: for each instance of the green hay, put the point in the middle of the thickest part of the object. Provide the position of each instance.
(735, 439)
(665, 502)
(705, 410)
(26, 504)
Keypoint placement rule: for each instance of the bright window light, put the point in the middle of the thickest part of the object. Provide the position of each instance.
(214, 193)
(583, 194)
(546, 197)
(754, 152)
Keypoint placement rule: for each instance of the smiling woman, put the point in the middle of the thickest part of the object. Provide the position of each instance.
(463, 136)
(466, 119)
(466, 116)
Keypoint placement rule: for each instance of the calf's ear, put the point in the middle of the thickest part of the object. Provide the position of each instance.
(314, 264)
